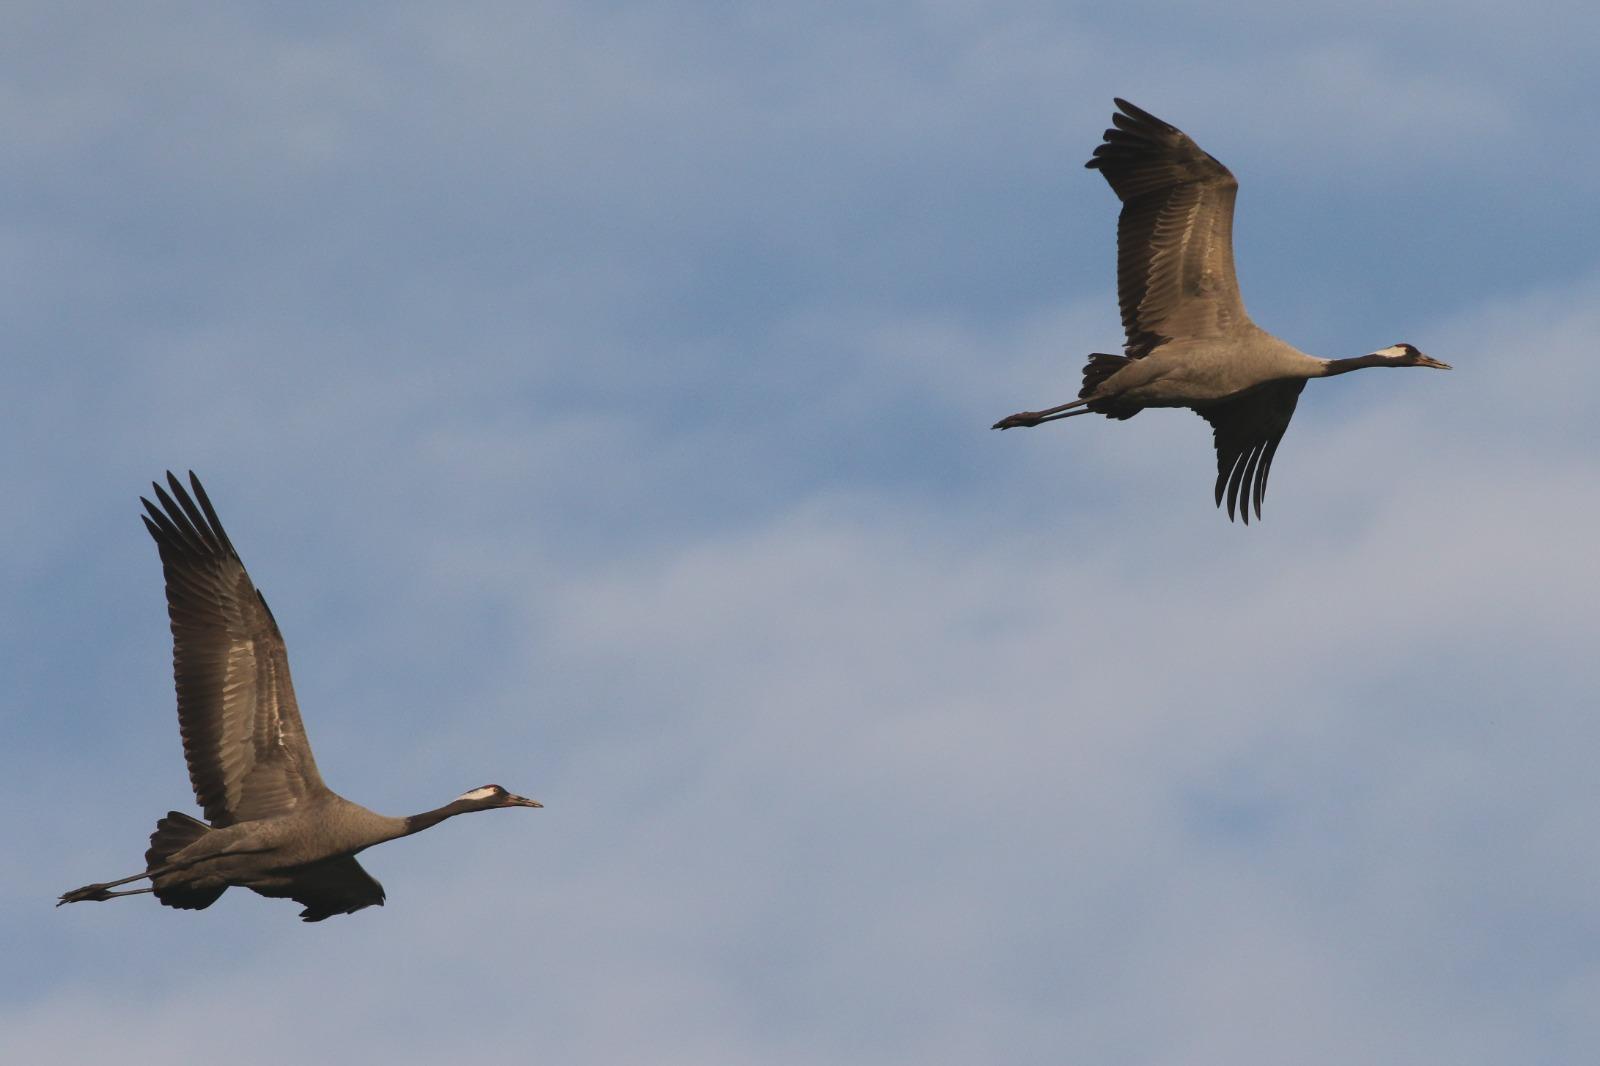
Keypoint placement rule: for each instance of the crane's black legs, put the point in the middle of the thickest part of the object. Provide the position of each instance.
(100, 893)
(1049, 414)
(103, 894)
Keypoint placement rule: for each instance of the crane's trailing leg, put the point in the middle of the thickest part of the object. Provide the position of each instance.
(173, 833)
(99, 895)
(1033, 418)
(101, 892)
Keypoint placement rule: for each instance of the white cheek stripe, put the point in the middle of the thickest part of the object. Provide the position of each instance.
(477, 794)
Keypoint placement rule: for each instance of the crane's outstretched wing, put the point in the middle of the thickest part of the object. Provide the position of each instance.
(242, 737)
(1247, 431)
(1175, 274)
(332, 886)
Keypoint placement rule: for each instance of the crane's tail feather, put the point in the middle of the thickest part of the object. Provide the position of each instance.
(1100, 366)
(1096, 372)
(174, 833)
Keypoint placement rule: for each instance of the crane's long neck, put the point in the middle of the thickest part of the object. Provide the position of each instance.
(1330, 367)
(416, 823)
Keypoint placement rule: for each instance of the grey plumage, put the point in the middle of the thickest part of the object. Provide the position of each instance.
(1189, 342)
(272, 825)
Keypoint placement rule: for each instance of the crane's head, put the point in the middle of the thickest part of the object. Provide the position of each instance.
(491, 796)
(1406, 355)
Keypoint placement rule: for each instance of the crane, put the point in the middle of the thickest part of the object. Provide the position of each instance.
(271, 824)
(1189, 341)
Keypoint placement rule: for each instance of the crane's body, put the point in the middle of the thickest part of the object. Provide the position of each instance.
(1189, 342)
(1201, 372)
(272, 825)
(265, 853)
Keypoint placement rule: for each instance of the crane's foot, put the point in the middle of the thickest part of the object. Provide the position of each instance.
(98, 893)
(1019, 420)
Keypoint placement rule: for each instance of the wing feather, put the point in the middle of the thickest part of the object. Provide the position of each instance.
(1175, 273)
(332, 886)
(245, 745)
(1247, 431)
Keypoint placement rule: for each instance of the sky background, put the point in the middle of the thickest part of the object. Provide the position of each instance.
(599, 393)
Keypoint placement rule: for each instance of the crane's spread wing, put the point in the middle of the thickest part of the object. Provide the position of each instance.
(247, 751)
(1247, 430)
(332, 886)
(1175, 274)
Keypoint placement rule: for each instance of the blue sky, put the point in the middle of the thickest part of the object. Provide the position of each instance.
(599, 392)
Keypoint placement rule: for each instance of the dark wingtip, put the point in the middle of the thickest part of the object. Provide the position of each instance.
(1134, 111)
(1131, 108)
(1228, 481)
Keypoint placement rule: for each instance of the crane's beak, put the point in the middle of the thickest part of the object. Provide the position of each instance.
(1423, 360)
(522, 801)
